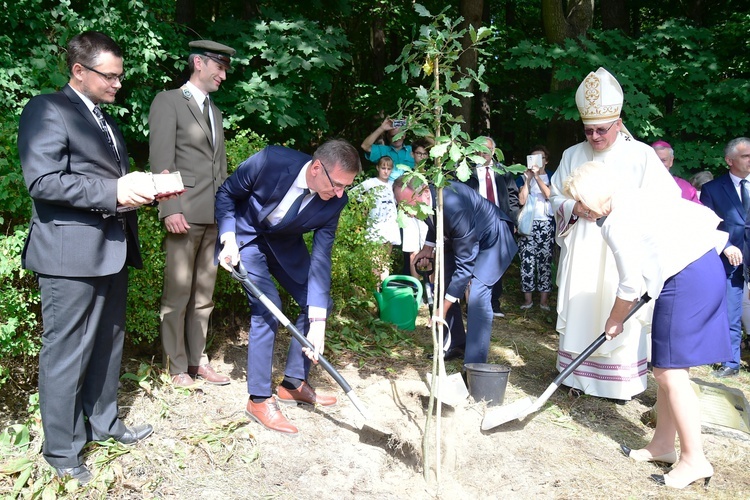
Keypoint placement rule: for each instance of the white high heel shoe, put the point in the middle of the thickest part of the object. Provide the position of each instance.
(642, 456)
(666, 480)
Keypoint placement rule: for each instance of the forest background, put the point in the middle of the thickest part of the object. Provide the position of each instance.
(309, 70)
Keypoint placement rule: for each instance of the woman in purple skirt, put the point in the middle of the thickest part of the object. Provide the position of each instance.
(669, 248)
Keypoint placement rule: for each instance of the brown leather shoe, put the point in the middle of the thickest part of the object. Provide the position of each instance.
(182, 380)
(304, 394)
(269, 416)
(207, 373)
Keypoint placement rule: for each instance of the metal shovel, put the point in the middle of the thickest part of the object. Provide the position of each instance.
(523, 407)
(240, 274)
(451, 388)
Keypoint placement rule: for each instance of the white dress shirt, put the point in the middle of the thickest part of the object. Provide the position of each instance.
(299, 185)
(482, 177)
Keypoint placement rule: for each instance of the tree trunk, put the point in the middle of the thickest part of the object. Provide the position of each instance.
(695, 12)
(377, 45)
(185, 13)
(471, 11)
(559, 25)
(250, 10)
(483, 108)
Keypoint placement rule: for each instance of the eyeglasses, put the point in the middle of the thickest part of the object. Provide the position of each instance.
(599, 131)
(334, 185)
(421, 154)
(107, 76)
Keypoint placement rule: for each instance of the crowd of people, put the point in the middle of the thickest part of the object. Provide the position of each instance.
(624, 226)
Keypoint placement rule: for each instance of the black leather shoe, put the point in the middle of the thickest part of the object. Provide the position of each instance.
(452, 353)
(724, 372)
(135, 434)
(81, 473)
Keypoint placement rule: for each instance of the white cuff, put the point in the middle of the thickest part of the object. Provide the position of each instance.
(317, 312)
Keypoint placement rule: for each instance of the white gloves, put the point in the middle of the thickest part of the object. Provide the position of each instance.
(230, 253)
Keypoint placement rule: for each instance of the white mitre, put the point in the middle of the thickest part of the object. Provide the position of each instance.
(599, 98)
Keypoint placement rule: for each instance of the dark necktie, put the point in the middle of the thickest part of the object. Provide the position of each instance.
(207, 116)
(294, 207)
(207, 111)
(103, 125)
(744, 196)
(490, 191)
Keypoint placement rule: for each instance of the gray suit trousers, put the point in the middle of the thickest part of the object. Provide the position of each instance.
(79, 364)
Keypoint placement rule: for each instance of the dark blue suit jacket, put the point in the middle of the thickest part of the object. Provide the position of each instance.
(720, 196)
(254, 190)
(479, 237)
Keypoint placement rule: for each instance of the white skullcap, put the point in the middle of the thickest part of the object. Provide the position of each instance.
(599, 98)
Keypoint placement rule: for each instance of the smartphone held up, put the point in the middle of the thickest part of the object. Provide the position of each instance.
(534, 161)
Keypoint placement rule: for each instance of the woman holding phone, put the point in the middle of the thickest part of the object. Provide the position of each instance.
(536, 248)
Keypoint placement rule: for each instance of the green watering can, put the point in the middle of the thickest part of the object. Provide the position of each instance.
(399, 300)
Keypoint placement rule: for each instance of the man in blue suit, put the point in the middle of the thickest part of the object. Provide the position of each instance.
(262, 211)
(729, 197)
(82, 237)
(479, 247)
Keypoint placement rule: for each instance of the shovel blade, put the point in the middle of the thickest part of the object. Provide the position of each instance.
(499, 416)
(451, 388)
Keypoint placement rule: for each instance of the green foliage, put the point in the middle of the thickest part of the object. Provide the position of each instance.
(20, 328)
(242, 146)
(145, 285)
(354, 258)
(284, 76)
(360, 332)
(15, 205)
(431, 63)
(33, 57)
(355, 263)
(662, 74)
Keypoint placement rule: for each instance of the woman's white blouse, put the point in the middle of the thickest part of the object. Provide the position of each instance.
(654, 237)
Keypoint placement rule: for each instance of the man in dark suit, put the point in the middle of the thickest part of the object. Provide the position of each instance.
(729, 196)
(479, 247)
(186, 136)
(83, 235)
(263, 209)
(500, 189)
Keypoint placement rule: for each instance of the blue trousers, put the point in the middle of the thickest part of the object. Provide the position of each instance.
(476, 342)
(261, 266)
(735, 284)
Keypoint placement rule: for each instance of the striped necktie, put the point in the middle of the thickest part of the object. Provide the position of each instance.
(103, 125)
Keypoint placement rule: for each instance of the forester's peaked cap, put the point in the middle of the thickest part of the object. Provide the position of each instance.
(219, 52)
(599, 98)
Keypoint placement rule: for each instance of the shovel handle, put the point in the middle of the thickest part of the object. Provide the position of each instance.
(425, 273)
(596, 344)
(240, 274)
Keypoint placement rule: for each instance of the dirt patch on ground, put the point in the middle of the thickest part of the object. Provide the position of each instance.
(203, 445)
